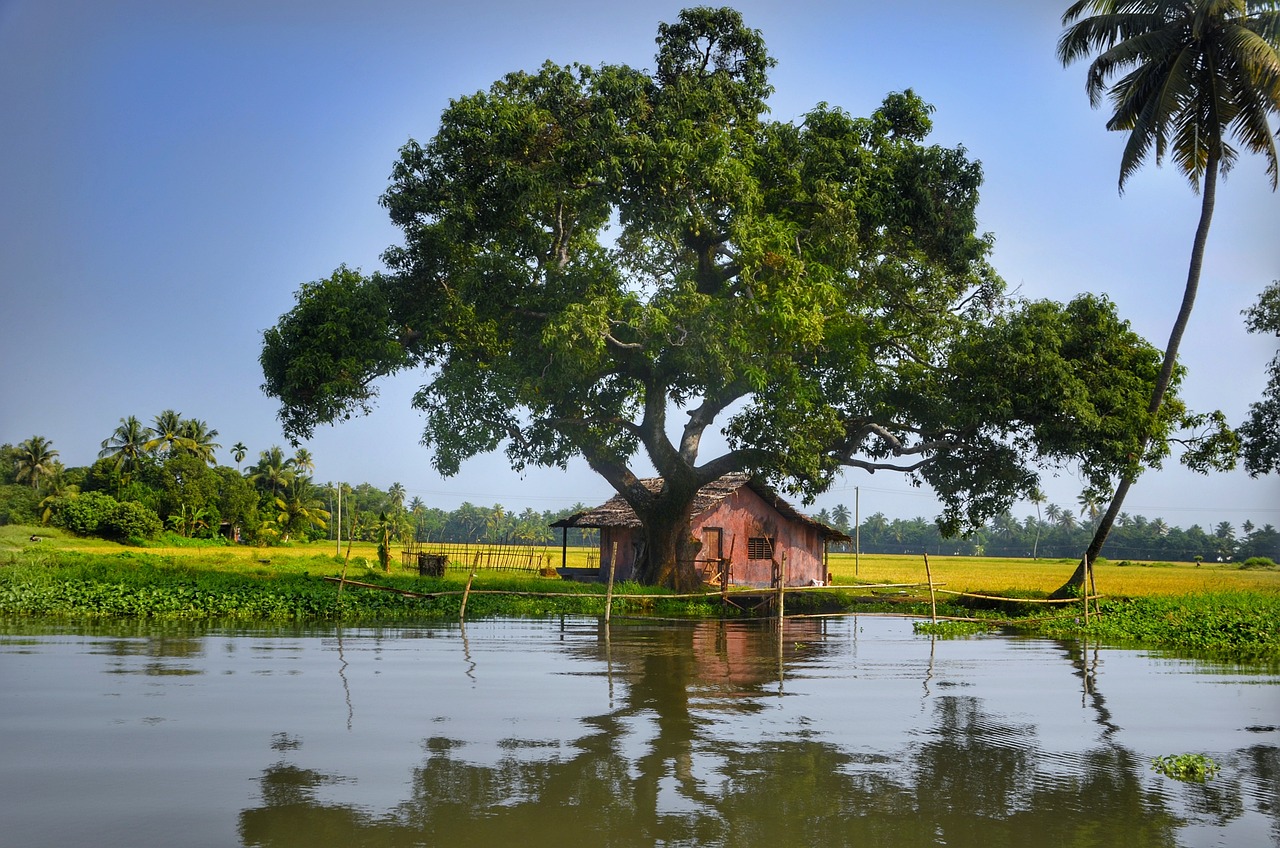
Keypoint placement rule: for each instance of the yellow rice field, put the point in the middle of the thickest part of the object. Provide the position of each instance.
(992, 574)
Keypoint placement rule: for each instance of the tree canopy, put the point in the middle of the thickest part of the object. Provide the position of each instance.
(606, 262)
(1260, 432)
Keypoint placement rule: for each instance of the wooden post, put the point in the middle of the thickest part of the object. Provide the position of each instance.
(781, 597)
(857, 528)
(1084, 588)
(933, 599)
(608, 592)
(462, 612)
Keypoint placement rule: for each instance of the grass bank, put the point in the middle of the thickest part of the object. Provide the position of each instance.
(1184, 606)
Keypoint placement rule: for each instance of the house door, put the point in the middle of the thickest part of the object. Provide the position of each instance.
(714, 567)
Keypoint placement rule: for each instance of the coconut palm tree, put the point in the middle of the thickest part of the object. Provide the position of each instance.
(201, 438)
(273, 471)
(1037, 497)
(35, 461)
(304, 462)
(396, 495)
(841, 515)
(167, 434)
(1194, 75)
(127, 445)
(298, 510)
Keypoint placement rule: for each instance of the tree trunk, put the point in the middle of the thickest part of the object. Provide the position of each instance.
(1076, 580)
(670, 550)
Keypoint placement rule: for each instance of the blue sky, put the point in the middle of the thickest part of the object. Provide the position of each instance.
(171, 172)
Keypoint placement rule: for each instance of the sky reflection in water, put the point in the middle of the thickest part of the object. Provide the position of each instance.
(857, 732)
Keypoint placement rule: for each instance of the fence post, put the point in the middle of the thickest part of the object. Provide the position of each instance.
(462, 611)
(781, 598)
(933, 600)
(608, 593)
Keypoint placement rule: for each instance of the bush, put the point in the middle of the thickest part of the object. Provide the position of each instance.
(82, 514)
(1258, 562)
(19, 505)
(99, 514)
(130, 521)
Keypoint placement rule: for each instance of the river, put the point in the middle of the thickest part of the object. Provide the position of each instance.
(558, 732)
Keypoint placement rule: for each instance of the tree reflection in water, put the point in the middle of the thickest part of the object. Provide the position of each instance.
(654, 770)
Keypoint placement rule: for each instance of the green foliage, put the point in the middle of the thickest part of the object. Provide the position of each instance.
(99, 514)
(1230, 623)
(586, 249)
(951, 629)
(19, 505)
(1189, 768)
(1258, 562)
(1189, 76)
(130, 522)
(1260, 432)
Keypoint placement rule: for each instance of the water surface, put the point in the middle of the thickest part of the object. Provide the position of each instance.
(853, 731)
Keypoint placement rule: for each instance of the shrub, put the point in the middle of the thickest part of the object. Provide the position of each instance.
(1258, 562)
(130, 521)
(18, 505)
(82, 514)
(99, 514)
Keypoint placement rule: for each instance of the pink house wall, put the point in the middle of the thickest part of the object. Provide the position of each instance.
(739, 517)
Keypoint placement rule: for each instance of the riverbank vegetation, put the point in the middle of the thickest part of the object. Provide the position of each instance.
(1217, 608)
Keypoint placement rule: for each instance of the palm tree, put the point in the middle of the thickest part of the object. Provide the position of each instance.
(299, 510)
(1037, 497)
(841, 515)
(304, 462)
(127, 445)
(1196, 73)
(396, 495)
(167, 434)
(273, 470)
(201, 439)
(238, 451)
(35, 461)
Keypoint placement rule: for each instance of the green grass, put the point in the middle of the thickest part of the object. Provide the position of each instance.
(1177, 605)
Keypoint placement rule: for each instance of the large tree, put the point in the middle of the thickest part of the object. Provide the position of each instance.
(1193, 75)
(606, 262)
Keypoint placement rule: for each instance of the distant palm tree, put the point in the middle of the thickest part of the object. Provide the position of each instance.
(841, 515)
(127, 446)
(417, 505)
(396, 495)
(238, 451)
(35, 461)
(201, 438)
(1037, 497)
(1196, 73)
(298, 510)
(304, 462)
(167, 434)
(273, 471)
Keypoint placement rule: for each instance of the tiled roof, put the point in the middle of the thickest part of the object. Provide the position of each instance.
(616, 512)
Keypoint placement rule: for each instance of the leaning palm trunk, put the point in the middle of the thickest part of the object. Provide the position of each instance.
(1165, 377)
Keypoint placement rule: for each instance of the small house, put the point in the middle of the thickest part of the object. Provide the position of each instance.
(748, 532)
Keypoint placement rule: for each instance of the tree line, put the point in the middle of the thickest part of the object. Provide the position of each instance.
(164, 477)
(1058, 533)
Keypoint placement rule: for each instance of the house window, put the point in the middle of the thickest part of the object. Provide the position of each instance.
(759, 547)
